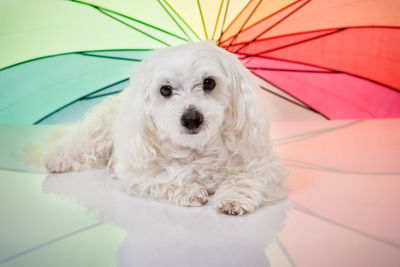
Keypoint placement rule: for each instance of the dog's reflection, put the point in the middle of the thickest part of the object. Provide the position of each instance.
(161, 234)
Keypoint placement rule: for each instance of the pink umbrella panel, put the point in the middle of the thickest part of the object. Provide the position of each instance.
(341, 67)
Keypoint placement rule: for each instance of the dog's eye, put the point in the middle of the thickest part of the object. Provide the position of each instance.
(208, 84)
(166, 90)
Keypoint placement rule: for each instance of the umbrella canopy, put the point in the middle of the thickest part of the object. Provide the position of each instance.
(312, 58)
(339, 59)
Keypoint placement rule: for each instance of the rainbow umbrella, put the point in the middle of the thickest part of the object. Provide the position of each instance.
(315, 58)
(339, 59)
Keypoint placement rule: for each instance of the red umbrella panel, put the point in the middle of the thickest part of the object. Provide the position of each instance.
(340, 58)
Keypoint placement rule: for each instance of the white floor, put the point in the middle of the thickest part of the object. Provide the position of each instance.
(343, 209)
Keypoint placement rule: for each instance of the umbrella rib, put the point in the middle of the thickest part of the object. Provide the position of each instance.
(305, 106)
(172, 17)
(69, 53)
(285, 251)
(132, 27)
(202, 19)
(265, 18)
(105, 87)
(273, 25)
(128, 17)
(241, 28)
(78, 99)
(319, 30)
(237, 16)
(50, 242)
(293, 70)
(223, 22)
(285, 98)
(313, 166)
(259, 54)
(109, 57)
(302, 104)
(101, 95)
(187, 25)
(299, 42)
(388, 87)
(312, 213)
(217, 20)
(345, 100)
(311, 134)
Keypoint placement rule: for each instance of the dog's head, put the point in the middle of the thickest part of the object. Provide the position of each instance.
(188, 95)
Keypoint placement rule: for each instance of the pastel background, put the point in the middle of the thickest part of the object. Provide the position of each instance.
(329, 83)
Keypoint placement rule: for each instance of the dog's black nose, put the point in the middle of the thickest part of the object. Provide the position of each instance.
(192, 119)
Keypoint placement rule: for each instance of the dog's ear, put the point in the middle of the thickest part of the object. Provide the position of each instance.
(134, 138)
(246, 117)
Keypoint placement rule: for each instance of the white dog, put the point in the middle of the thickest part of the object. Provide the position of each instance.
(187, 127)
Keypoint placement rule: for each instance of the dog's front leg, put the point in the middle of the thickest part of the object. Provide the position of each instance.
(188, 195)
(244, 192)
(236, 197)
(158, 184)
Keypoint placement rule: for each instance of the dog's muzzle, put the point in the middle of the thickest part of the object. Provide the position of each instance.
(192, 119)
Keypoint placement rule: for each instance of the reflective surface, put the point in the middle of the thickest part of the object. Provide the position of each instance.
(161, 234)
(343, 208)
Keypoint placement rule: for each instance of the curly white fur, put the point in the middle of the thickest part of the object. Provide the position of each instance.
(140, 136)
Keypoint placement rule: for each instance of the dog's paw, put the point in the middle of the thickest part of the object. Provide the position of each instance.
(56, 163)
(191, 195)
(232, 207)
